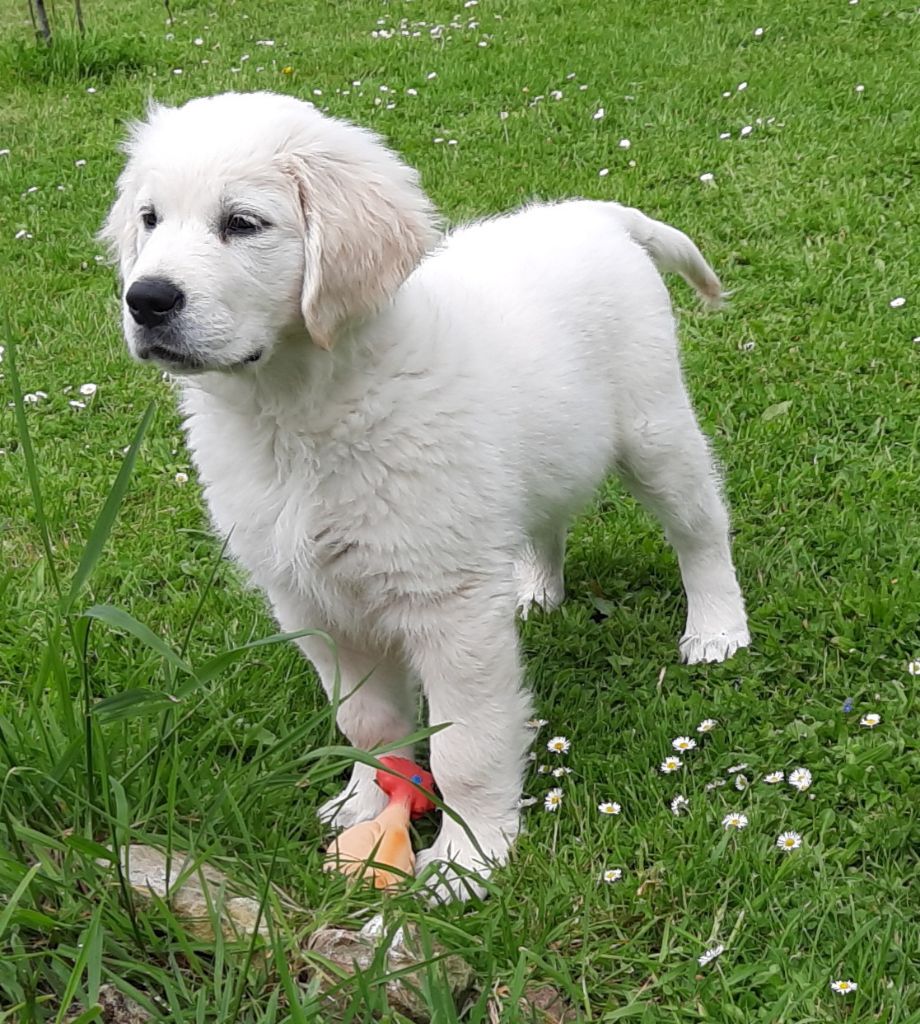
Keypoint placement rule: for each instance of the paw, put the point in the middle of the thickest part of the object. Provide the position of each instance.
(538, 585)
(361, 800)
(455, 867)
(712, 647)
(451, 875)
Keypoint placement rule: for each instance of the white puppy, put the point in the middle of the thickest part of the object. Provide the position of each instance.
(395, 433)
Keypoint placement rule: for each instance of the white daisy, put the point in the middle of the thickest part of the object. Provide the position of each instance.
(735, 768)
(707, 177)
(88, 389)
(843, 988)
(871, 720)
(558, 745)
(898, 302)
(707, 725)
(612, 875)
(710, 955)
(715, 784)
(774, 777)
(913, 667)
(789, 841)
(738, 821)
(598, 114)
(560, 771)
(553, 799)
(543, 769)
(609, 807)
(680, 804)
(537, 723)
(671, 764)
(624, 144)
(800, 778)
(683, 743)
(741, 783)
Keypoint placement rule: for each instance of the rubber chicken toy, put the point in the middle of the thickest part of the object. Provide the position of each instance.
(380, 851)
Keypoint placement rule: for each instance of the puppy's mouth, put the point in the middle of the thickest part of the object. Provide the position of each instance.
(186, 363)
(173, 361)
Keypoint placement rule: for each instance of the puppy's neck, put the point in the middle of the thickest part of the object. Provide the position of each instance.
(296, 379)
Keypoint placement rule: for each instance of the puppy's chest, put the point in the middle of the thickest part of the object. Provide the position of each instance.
(313, 516)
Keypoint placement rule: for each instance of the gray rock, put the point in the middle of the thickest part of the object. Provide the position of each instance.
(116, 1008)
(348, 951)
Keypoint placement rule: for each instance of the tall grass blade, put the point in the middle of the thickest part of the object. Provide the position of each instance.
(106, 520)
(206, 672)
(13, 902)
(118, 619)
(28, 455)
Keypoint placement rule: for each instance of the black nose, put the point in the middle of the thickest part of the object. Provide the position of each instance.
(153, 300)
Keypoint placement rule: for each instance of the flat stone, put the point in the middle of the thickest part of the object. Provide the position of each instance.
(196, 894)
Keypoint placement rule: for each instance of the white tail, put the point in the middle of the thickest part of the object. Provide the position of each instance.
(672, 251)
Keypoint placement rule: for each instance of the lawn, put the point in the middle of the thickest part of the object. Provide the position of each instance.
(782, 137)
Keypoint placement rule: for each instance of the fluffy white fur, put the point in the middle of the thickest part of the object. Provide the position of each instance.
(396, 433)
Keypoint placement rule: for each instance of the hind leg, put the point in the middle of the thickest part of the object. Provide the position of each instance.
(666, 464)
(539, 572)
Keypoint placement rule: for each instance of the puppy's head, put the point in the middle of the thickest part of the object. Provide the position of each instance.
(243, 218)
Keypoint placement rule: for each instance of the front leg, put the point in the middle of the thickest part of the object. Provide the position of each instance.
(466, 653)
(376, 706)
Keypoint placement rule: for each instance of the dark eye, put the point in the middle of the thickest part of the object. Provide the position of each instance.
(149, 218)
(243, 224)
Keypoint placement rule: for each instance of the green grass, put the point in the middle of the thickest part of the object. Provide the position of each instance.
(807, 385)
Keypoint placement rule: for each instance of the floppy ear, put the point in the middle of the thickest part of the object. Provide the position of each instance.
(119, 232)
(367, 224)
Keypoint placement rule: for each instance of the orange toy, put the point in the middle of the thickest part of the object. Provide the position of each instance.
(370, 849)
